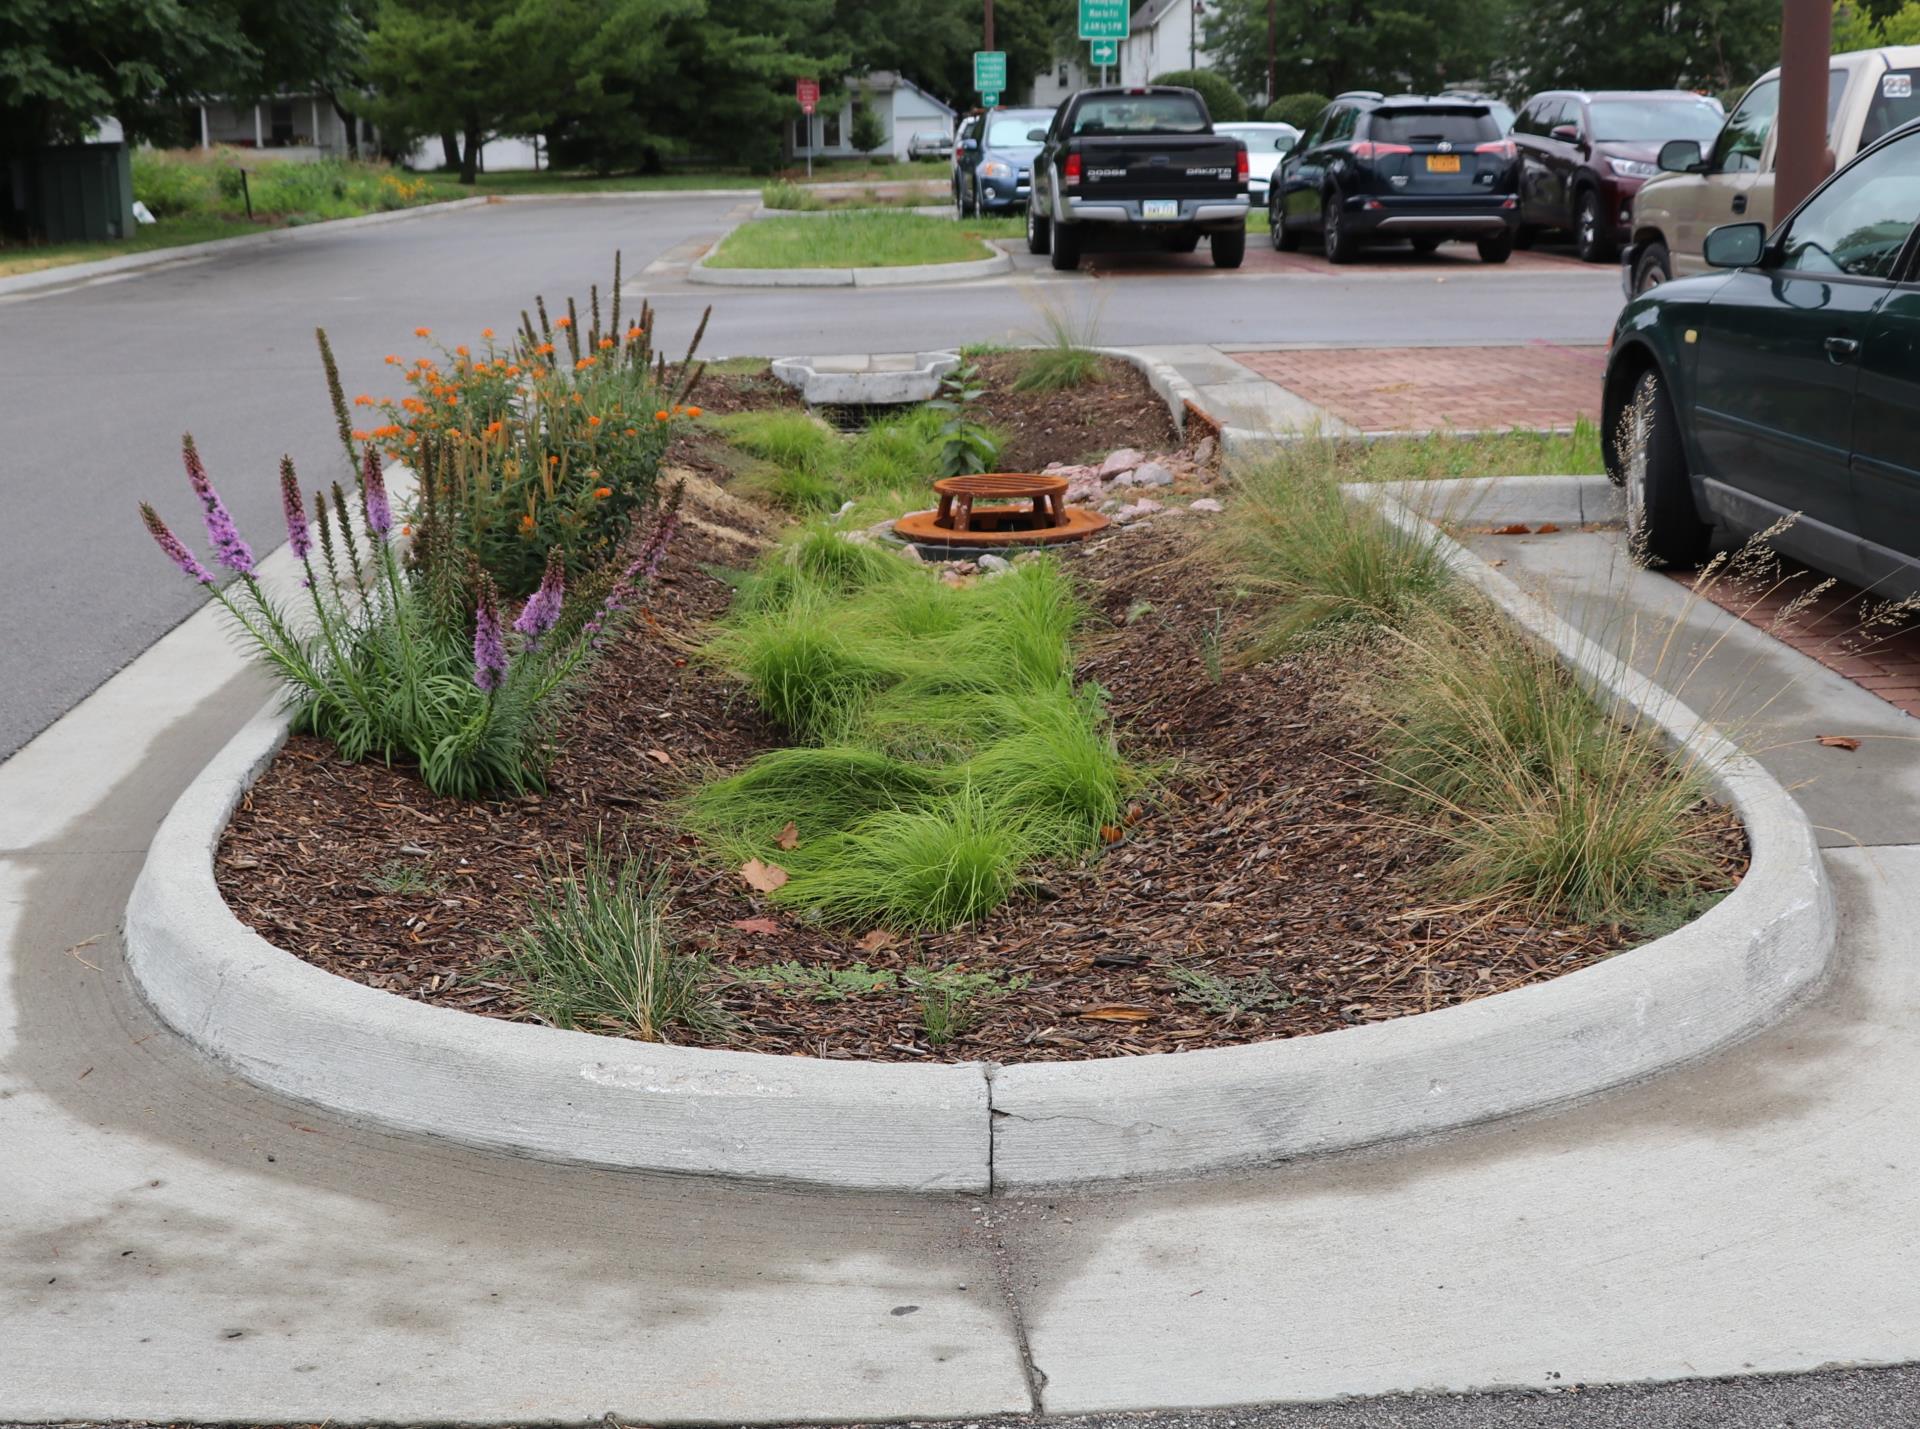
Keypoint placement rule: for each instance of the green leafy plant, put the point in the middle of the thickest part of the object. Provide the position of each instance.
(1228, 997)
(596, 953)
(1299, 110)
(966, 446)
(1067, 358)
(407, 876)
(821, 983)
(951, 998)
(1223, 100)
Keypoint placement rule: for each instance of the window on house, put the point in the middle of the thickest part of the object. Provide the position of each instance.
(801, 139)
(279, 124)
(830, 131)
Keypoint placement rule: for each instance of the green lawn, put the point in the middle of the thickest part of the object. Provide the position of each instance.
(170, 233)
(1440, 455)
(872, 238)
(552, 181)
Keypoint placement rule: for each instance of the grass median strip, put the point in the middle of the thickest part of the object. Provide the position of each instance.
(870, 238)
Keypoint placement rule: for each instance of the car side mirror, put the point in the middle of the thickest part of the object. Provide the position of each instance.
(1735, 245)
(1284, 145)
(1680, 156)
(1565, 133)
(969, 144)
(1036, 136)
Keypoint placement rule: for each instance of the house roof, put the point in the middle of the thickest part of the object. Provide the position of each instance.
(1151, 13)
(880, 81)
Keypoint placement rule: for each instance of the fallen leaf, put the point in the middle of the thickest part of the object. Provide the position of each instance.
(660, 756)
(1517, 528)
(764, 876)
(756, 925)
(1115, 1012)
(1111, 833)
(789, 837)
(1134, 815)
(1839, 741)
(1545, 528)
(878, 940)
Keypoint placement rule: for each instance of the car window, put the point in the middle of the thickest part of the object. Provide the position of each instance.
(1744, 135)
(1859, 223)
(1012, 129)
(1456, 124)
(1645, 121)
(1896, 99)
(1342, 125)
(1141, 114)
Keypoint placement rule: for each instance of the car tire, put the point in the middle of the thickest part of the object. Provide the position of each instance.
(1065, 247)
(1426, 246)
(1229, 246)
(1283, 239)
(1340, 244)
(1592, 234)
(1652, 268)
(1496, 250)
(1039, 230)
(1663, 526)
(967, 207)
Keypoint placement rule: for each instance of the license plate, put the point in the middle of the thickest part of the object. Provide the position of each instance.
(1443, 163)
(1160, 208)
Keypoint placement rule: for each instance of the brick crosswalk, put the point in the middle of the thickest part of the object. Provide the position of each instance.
(1385, 389)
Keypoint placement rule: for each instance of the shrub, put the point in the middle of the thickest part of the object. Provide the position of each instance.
(397, 662)
(1299, 110)
(1223, 101)
(867, 132)
(815, 470)
(786, 194)
(596, 953)
(1068, 358)
(171, 186)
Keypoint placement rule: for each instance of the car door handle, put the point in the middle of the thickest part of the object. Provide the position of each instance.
(1842, 349)
(1739, 203)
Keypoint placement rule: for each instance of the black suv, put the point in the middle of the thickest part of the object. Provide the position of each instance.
(993, 162)
(1406, 167)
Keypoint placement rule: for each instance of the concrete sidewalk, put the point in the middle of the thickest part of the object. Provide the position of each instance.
(175, 1244)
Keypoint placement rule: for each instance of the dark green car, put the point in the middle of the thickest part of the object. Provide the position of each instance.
(1785, 389)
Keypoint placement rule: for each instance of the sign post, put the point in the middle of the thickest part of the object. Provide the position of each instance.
(807, 92)
(990, 75)
(1106, 23)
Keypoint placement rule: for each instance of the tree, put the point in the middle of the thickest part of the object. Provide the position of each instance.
(1223, 103)
(1331, 45)
(1299, 110)
(1642, 44)
(866, 133)
(1856, 28)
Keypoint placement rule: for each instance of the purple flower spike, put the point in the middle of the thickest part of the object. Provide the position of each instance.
(299, 536)
(489, 650)
(542, 610)
(379, 511)
(228, 548)
(188, 563)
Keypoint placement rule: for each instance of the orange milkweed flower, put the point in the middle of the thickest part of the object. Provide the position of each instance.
(363, 400)
(601, 493)
(545, 349)
(693, 411)
(487, 333)
(393, 359)
(633, 431)
(634, 333)
(494, 428)
(359, 436)
(659, 416)
(605, 343)
(461, 351)
(514, 371)
(423, 332)
(563, 322)
(593, 421)
(526, 523)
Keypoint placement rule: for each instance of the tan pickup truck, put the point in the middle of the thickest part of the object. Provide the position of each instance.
(1869, 93)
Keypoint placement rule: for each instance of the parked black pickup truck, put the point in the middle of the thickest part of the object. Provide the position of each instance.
(1130, 168)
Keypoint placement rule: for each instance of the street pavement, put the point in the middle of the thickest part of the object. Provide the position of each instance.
(101, 378)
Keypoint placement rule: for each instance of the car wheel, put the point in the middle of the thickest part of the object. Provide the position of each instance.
(1229, 247)
(1066, 247)
(962, 201)
(1424, 246)
(1663, 527)
(1593, 236)
(1496, 250)
(1283, 239)
(1652, 268)
(1039, 230)
(1340, 245)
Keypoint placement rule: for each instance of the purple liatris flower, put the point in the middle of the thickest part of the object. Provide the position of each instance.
(489, 649)
(228, 548)
(542, 610)
(299, 537)
(379, 511)
(176, 552)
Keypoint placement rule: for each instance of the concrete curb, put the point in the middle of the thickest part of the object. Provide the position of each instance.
(573, 1096)
(849, 277)
(1716, 981)
(899, 382)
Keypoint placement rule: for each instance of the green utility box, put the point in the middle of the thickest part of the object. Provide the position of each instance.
(80, 193)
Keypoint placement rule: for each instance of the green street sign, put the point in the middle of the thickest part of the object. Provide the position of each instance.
(1105, 20)
(988, 99)
(990, 71)
(1106, 52)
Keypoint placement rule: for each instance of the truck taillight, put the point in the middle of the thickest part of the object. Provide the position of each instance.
(1369, 149)
(1072, 171)
(1240, 163)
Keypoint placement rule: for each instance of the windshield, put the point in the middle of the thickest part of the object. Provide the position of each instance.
(1011, 129)
(1896, 99)
(1433, 126)
(1141, 114)
(1621, 121)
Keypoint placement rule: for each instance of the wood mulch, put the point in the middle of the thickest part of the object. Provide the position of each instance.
(1263, 860)
(1081, 424)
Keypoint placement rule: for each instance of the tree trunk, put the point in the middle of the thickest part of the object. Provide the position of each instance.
(352, 124)
(450, 148)
(470, 152)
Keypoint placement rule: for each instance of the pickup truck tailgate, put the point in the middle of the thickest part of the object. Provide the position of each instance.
(1158, 166)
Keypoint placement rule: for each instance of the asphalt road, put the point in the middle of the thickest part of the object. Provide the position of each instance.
(100, 379)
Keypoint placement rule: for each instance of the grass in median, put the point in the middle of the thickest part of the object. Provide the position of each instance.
(169, 233)
(865, 239)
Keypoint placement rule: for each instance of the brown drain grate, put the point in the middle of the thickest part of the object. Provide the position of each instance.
(1045, 519)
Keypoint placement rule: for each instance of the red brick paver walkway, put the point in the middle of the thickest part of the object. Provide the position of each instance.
(1449, 258)
(1397, 389)
(1852, 633)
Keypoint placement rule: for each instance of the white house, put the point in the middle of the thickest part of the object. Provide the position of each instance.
(294, 126)
(1167, 35)
(1052, 85)
(903, 108)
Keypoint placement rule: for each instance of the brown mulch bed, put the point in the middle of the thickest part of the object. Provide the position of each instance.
(1264, 853)
(1081, 424)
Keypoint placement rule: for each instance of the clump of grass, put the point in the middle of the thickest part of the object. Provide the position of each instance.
(787, 438)
(947, 746)
(814, 471)
(596, 953)
(1434, 456)
(401, 875)
(1545, 796)
(784, 193)
(1066, 359)
(1319, 566)
(951, 998)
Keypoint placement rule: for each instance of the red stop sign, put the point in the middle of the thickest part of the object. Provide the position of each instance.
(807, 91)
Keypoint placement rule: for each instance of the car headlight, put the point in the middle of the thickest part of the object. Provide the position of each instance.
(1633, 168)
(994, 169)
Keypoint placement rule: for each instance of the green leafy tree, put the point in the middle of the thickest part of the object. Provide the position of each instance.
(1642, 44)
(1223, 101)
(867, 132)
(1299, 110)
(1331, 45)
(1859, 28)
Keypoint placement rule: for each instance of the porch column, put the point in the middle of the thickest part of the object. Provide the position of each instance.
(205, 143)
(313, 107)
(259, 133)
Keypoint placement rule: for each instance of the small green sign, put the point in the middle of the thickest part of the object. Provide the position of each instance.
(1106, 52)
(1105, 19)
(988, 99)
(990, 71)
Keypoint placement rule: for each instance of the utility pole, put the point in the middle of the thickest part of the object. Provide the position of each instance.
(989, 27)
(1270, 23)
(1193, 30)
(1801, 158)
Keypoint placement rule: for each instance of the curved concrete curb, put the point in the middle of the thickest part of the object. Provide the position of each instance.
(862, 380)
(851, 277)
(573, 1096)
(1721, 978)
